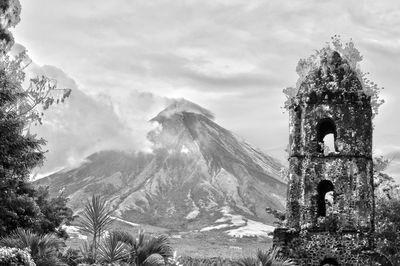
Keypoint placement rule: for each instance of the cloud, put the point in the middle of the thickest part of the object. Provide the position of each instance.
(86, 123)
(233, 57)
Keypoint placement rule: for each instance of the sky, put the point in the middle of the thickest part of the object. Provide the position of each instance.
(126, 59)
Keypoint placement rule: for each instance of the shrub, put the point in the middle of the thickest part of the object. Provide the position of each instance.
(44, 249)
(10, 256)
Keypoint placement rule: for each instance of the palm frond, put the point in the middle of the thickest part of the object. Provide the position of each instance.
(111, 249)
(154, 260)
(266, 258)
(96, 216)
(141, 247)
(86, 251)
(248, 261)
(158, 245)
(125, 237)
(43, 248)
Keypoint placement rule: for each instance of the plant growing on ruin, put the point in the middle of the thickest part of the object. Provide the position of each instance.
(352, 59)
(278, 215)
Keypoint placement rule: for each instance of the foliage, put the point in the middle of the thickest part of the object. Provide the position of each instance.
(269, 258)
(29, 103)
(20, 151)
(385, 186)
(388, 228)
(44, 248)
(15, 256)
(22, 206)
(216, 261)
(96, 218)
(387, 212)
(55, 212)
(17, 205)
(279, 216)
(86, 253)
(146, 249)
(71, 257)
(122, 248)
(9, 17)
(111, 249)
(352, 56)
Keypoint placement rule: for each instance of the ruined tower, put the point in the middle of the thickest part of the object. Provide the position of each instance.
(330, 201)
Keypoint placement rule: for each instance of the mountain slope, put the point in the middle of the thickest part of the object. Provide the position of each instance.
(197, 173)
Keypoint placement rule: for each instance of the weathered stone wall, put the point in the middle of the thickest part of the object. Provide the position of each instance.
(346, 248)
(330, 101)
(352, 197)
(353, 128)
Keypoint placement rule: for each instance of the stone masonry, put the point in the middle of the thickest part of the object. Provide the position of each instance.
(336, 231)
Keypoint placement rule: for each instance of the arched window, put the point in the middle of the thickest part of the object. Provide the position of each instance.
(329, 262)
(325, 196)
(326, 135)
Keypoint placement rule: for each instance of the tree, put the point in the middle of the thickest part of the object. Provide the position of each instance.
(10, 11)
(96, 217)
(387, 212)
(18, 155)
(20, 151)
(55, 213)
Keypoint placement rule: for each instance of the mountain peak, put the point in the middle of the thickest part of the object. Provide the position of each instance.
(198, 175)
(182, 105)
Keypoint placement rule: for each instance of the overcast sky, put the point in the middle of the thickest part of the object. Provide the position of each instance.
(125, 59)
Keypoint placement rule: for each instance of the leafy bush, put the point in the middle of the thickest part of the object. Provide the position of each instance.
(44, 249)
(71, 257)
(122, 248)
(387, 212)
(144, 249)
(10, 256)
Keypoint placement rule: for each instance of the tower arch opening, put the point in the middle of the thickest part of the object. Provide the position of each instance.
(329, 262)
(326, 136)
(325, 191)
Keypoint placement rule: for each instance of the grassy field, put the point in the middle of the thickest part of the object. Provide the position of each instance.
(204, 245)
(197, 244)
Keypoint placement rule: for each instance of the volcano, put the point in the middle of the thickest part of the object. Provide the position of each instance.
(198, 175)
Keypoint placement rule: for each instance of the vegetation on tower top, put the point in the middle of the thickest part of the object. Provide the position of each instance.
(350, 58)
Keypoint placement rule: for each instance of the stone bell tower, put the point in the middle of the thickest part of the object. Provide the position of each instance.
(330, 201)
